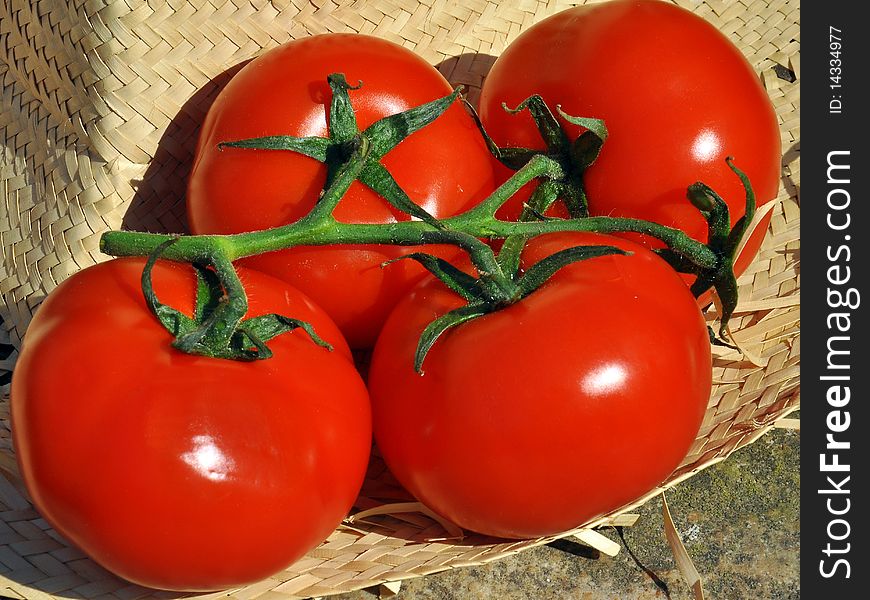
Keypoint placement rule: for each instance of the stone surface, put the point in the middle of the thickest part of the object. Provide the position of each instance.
(739, 520)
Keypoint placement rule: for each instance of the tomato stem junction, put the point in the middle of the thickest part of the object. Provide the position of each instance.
(351, 155)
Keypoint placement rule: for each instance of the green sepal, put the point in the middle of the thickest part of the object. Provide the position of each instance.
(545, 194)
(192, 342)
(339, 161)
(497, 287)
(584, 152)
(244, 339)
(174, 321)
(574, 158)
(739, 229)
(717, 341)
(539, 273)
(573, 194)
(596, 127)
(376, 176)
(196, 335)
(585, 149)
(542, 198)
(678, 262)
(700, 196)
(715, 211)
(440, 325)
(513, 158)
(385, 134)
(726, 287)
(703, 283)
(478, 305)
(248, 340)
(342, 119)
(313, 147)
(208, 292)
(266, 327)
(723, 240)
(467, 286)
(539, 216)
(344, 140)
(552, 133)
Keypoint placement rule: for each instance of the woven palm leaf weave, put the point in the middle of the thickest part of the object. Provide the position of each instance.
(101, 103)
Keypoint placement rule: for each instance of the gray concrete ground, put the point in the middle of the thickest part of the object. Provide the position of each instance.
(740, 522)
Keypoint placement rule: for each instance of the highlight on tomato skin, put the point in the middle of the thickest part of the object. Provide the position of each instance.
(539, 417)
(445, 168)
(677, 97)
(176, 471)
(188, 473)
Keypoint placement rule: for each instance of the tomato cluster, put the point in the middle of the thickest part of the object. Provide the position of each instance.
(556, 403)
(537, 418)
(179, 471)
(233, 190)
(677, 98)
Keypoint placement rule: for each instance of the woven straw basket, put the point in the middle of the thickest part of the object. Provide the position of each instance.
(100, 108)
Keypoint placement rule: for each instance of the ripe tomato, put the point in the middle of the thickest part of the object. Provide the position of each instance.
(177, 471)
(677, 98)
(564, 406)
(445, 168)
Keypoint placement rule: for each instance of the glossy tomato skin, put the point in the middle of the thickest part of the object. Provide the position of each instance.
(444, 167)
(182, 472)
(677, 98)
(560, 408)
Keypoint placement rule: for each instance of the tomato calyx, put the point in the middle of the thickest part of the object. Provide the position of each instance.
(218, 328)
(489, 292)
(336, 150)
(724, 241)
(351, 155)
(574, 157)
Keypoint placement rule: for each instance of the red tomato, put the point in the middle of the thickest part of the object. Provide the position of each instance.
(444, 167)
(177, 471)
(677, 98)
(542, 416)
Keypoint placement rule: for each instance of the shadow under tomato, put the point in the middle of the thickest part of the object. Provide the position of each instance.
(158, 204)
(468, 70)
(788, 158)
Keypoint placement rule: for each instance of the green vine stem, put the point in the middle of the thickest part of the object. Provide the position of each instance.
(351, 155)
(320, 228)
